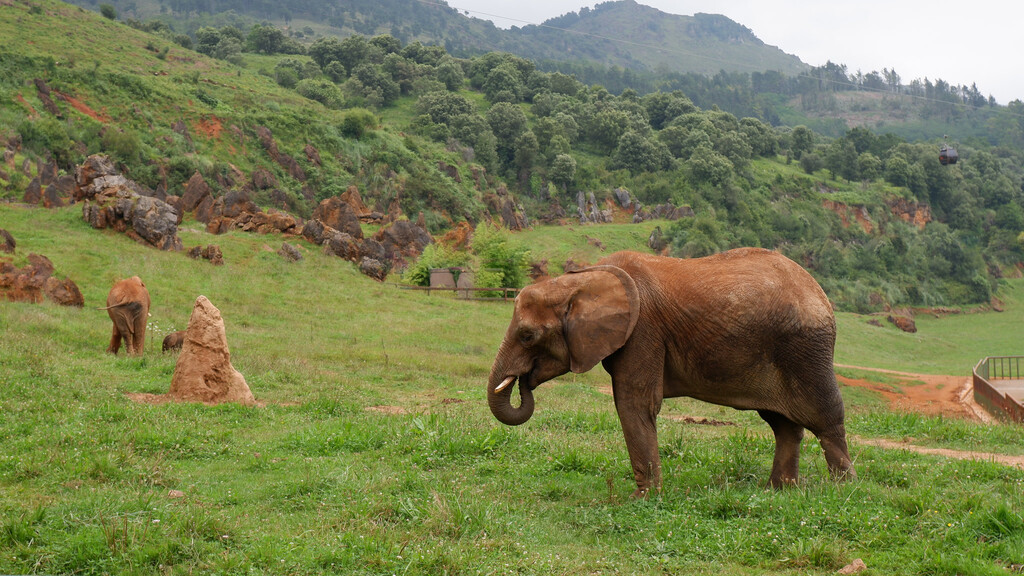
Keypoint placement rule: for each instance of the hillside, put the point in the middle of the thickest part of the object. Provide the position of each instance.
(604, 35)
(631, 35)
(422, 136)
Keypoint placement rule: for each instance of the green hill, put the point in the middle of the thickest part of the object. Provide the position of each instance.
(414, 130)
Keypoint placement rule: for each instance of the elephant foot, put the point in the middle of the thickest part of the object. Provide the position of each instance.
(782, 482)
(641, 493)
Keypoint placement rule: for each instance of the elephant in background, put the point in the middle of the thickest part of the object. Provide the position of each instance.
(174, 340)
(747, 328)
(128, 307)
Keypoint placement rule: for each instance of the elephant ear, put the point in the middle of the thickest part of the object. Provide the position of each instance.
(600, 316)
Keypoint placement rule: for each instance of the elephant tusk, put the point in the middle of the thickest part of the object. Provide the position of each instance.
(504, 384)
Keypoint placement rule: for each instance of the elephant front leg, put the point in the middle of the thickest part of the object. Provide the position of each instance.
(788, 435)
(638, 413)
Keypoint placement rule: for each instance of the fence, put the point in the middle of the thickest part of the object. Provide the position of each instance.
(503, 294)
(996, 369)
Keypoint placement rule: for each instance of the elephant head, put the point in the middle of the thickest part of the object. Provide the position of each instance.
(567, 323)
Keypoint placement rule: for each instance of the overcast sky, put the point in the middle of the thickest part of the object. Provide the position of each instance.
(961, 42)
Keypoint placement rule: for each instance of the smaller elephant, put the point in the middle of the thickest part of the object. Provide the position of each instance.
(128, 307)
(174, 340)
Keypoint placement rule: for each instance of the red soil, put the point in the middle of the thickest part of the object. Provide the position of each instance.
(81, 107)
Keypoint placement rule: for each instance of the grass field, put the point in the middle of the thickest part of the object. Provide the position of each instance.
(373, 451)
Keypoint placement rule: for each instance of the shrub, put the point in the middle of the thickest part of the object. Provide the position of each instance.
(357, 121)
(433, 256)
(108, 11)
(500, 253)
(323, 91)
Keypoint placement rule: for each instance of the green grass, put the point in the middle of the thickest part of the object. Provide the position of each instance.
(312, 482)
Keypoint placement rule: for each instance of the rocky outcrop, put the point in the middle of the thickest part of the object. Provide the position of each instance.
(657, 241)
(289, 252)
(284, 160)
(8, 245)
(848, 214)
(112, 201)
(210, 252)
(43, 92)
(623, 198)
(35, 282)
(60, 192)
(374, 269)
(458, 237)
(512, 215)
(666, 211)
(317, 232)
(352, 197)
(196, 190)
(203, 372)
(402, 241)
(903, 319)
(338, 214)
(588, 210)
(913, 213)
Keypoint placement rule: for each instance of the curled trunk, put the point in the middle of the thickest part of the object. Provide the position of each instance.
(500, 401)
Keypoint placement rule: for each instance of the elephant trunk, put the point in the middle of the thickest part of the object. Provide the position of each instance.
(499, 395)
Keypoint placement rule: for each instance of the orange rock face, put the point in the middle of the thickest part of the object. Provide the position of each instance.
(204, 372)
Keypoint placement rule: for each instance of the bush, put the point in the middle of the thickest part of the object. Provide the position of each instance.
(357, 121)
(433, 256)
(108, 11)
(501, 254)
(323, 91)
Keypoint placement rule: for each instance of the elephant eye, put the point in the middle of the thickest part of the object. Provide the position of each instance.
(527, 336)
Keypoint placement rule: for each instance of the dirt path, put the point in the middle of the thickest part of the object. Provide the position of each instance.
(1014, 461)
(926, 393)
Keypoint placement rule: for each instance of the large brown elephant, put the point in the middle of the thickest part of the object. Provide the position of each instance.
(747, 328)
(128, 307)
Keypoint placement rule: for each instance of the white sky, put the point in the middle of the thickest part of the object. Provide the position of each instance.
(979, 41)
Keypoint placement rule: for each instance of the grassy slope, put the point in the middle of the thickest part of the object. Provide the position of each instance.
(313, 482)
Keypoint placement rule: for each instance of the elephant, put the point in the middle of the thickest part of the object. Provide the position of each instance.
(174, 340)
(747, 328)
(128, 307)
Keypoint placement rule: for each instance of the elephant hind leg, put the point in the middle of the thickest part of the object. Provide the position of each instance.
(788, 435)
(115, 341)
(837, 456)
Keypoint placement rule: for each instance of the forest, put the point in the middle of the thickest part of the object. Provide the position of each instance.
(922, 234)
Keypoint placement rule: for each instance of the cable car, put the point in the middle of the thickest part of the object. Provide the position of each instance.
(948, 155)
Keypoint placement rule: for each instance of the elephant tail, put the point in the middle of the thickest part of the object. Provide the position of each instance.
(134, 307)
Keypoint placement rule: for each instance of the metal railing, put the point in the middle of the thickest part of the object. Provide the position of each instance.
(993, 369)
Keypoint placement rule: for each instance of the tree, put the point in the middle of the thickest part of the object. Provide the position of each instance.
(450, 73)
(507, 122)
(326, 50)
(607, 127)
(503, 84)
(526, 151)
(323, 91)
(801, 140)
(443, 106)
(637, 153)
(841, 159)
(265, 39)
(708, 166)
(563, 171)
(207, 39)
(108, 11)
